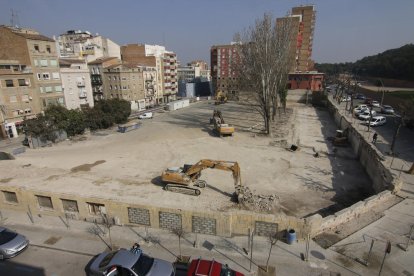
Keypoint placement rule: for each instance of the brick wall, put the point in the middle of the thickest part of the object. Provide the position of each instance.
(265, 228)
(203, 225)
(139, 216)
(170, 220)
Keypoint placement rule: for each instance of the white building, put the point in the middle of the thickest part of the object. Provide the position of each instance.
(82, 44)
(76, 83)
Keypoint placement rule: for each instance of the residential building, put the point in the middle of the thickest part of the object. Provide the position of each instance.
(76, 83)
(311, 80)
(130, 82)
(165, 63)
(302, 25)
(194, 80)
(32, 55)
(96, 72)
(82, 44)
(223, 76)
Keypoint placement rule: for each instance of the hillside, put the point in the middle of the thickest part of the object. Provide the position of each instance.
(393, 64)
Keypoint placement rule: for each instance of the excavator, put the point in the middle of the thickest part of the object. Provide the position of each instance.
(220, 127)
(185, 179)
(221, 98)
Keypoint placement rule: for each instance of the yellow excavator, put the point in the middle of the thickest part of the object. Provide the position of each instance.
(220, 127)
(221, 98)
(186, 179)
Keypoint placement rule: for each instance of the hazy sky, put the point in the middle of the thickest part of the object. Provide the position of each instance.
(346, 30)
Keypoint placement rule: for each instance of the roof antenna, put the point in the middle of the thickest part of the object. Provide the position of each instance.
(14, 20)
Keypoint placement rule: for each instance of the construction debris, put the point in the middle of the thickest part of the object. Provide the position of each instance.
(259, 203)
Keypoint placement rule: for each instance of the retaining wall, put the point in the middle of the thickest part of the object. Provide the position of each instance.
(87, 208)
(384, 182)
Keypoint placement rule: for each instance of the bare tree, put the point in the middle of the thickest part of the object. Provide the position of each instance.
(108, 223)
(272, 239)
(263, 63)
(179, 232)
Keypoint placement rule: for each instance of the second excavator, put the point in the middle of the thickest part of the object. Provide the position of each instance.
(186, 179)
(220, 127)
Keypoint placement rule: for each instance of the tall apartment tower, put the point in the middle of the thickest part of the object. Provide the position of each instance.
(302, 24)
(222, 58)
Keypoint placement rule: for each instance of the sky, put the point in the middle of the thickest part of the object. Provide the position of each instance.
(345, 30)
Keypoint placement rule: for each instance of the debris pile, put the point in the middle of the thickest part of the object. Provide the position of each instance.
(259, 203)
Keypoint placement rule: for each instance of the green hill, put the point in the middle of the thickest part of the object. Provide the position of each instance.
(393, 64)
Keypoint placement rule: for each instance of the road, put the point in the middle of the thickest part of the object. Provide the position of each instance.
(41, 261)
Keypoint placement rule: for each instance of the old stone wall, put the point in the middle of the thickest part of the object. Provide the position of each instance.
(91, 209)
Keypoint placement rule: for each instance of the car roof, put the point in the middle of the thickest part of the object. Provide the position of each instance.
(387, 106)
(122, 257)
(378, 117)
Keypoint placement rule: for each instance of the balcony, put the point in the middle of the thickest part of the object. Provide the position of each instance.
(82, 95)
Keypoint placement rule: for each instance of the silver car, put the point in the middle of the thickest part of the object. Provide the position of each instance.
(124, 262)
(11, 243)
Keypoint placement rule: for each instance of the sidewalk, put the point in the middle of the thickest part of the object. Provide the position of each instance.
(51, 232)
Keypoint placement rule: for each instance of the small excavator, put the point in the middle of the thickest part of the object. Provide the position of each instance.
(186, 180)
(221, 98)
(220, 127)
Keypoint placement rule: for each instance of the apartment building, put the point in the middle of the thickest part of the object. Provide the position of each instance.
(96, 73)
(76, 83)
(223, 76)
(82, 44)
(165, 63)
(30, 74)
(301, 23)
(126, 81)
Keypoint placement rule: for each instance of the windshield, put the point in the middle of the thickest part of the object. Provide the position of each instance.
(143, 265)
(6, 236)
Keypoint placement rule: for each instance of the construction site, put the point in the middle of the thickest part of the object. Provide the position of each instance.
(296, 171)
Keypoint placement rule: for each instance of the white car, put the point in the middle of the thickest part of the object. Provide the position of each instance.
(375, 104)
(387, 109)
(346, 99)
(366, 114)
(376, 121)
(147, 115)
(360, 108)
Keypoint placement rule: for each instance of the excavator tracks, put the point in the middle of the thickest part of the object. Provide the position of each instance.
(176, 188)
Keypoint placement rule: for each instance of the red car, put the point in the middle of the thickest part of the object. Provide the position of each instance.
(201, 267)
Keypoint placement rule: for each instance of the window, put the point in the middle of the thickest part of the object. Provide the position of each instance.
(48, 89)
(53, 62)
(60, 101)
(23, 82)
(9, 83)
(43, 62)
(13, 99)
(109, 77)
(58, 88)
(39, 76)
(42, 90)
(36, 62)
(45, 202)
(110, 87)
(114, 77)
(36, 48)
(55, 75)
(70, 205)
(124, 78)
(48, 49)
(27, 111)
(10, 197)
(116, 87)
(46, 76)
(96, 208)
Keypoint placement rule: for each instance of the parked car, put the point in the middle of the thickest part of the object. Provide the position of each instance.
(212, 268)
(375, 104)
(376, 121)
(11, 243)
(346, 99)
(387, 109)
(147, 115)
(366, 114)
(360, 96)
(125, 262)
(360, 108)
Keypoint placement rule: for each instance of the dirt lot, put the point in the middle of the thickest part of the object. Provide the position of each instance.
(127, 166)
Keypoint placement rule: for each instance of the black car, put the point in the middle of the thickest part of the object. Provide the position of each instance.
(360, 96)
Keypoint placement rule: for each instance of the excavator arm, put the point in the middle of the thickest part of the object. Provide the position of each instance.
(194, 171)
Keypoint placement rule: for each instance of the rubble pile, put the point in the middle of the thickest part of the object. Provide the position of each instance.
(259, 203)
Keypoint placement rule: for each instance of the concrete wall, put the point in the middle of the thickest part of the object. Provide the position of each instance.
(384, 182)
(214, 223)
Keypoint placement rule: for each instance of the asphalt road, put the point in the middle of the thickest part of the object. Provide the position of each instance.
(38, 261)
